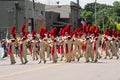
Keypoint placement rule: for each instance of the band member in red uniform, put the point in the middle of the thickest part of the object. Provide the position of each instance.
(34, 45)
(53, 44)
(67, 43)
(42, 45)
(22, 45)
(11, 47)
(114, 44)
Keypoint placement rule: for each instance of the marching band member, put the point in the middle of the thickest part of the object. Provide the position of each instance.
(118, 43)
(75, 45)
(114, 45)
(53, 44)
(80, 42)
(96, 42)
(60, 44)
(106, 43)
(89, 45)
(22, 45)
(47, 44)
(109, 44)
(34, 44)
(42, 45)
(67, 43)
(11, 48)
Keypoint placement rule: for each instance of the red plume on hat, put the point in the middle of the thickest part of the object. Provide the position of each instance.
(63, 32)
(93, 29)
(48, 32)
(67, 28)
(68, 25)
(33, 33)
(88, 28)
(53, 31)
(26, 33)
(60, 32)
(119, 34)
(76, 31)
(81, 33)
(107, 31)
(23, 29)
(42, 32)
(71, 33)
(97, 31)
(12, 32)
(114, 32)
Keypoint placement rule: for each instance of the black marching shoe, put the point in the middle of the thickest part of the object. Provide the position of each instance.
(44, 61)
(117, 57)
(25, 62)
(12, 63)
(39, 62)
(87, 61)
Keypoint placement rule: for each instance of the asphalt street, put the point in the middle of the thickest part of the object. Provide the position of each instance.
(103, 70)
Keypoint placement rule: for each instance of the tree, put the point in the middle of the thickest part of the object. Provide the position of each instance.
(86, 15)
(107, 18)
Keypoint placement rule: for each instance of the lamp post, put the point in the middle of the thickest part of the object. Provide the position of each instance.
(16, 14)
(33, 14)
(95, 12)
(10, 11)
(78, 11)
(103, 19)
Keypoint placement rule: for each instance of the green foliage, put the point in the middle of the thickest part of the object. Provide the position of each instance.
(106, 14)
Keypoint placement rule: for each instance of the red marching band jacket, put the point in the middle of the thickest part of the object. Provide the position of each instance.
(10, 46)
(53, 47)
(103, 46)
(21, 45)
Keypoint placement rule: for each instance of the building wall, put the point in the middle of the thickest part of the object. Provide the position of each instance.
(7, 13)
(74, 17)
(74, 14)
(39, 11)
(68, 13)
(50, 18)
(29, 9)
(64, 10)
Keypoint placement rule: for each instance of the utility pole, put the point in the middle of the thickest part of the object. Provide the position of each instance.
(95, 12)
(33, 14)
(78, 6)
(103, 18)
(16, 14)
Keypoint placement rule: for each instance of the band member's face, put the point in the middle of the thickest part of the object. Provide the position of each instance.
(21, 34)
(11, 36)
(73, 35)
(52, 37)
(66, 33)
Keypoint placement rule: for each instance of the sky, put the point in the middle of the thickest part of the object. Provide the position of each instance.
(82, 2)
